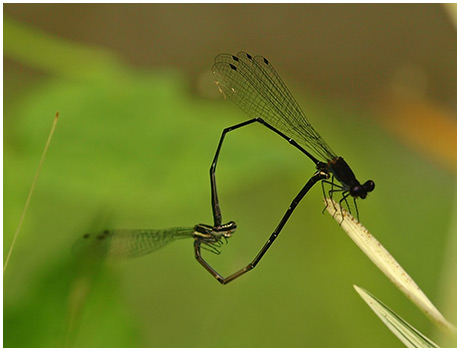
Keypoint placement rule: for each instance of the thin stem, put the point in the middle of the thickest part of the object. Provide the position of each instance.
(21, 220)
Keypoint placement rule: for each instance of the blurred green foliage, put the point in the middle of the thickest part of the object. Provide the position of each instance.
(132, 149)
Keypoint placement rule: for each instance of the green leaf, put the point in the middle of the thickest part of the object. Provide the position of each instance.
(408, 335)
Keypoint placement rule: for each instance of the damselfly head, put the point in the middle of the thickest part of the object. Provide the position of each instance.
(362, 190)
(369, 186)
(225, 230)
(228, 229)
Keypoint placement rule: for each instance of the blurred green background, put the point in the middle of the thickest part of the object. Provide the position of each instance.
(140, 118)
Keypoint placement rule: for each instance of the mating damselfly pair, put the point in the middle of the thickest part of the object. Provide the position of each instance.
(253, 84)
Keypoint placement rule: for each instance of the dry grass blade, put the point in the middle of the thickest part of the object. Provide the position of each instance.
(386, 263)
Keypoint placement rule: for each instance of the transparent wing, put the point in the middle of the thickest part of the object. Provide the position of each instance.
(253, 84)
(128, 243)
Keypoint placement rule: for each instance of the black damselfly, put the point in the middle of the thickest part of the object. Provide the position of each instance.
(253, 84)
